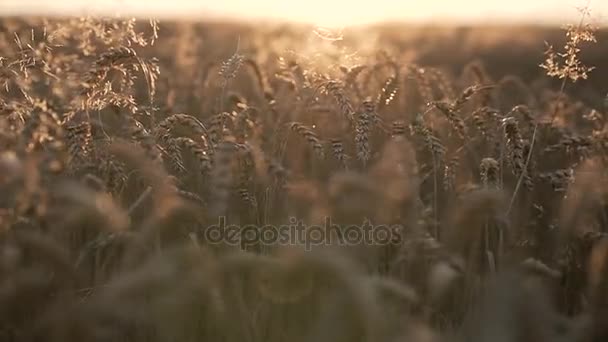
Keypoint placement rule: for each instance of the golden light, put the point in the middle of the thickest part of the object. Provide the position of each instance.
(323, 12)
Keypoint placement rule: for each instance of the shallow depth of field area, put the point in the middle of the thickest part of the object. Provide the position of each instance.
(148, 171)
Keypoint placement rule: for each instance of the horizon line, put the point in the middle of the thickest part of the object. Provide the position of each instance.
(494, 18)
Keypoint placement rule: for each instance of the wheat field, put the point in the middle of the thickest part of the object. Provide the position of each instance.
(187, 181)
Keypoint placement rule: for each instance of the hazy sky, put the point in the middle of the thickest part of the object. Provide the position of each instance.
(340, 12)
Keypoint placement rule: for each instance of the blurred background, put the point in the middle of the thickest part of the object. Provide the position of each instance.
(431, 114)
(335, 12)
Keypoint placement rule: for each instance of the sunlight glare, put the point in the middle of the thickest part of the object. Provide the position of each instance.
(334, 13)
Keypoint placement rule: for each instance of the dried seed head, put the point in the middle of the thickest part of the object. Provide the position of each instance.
(489, 170)
(310, 136)
(338, 152)
(567, 64)
(363, 125)
(231, 67)
(398, 129)
(336, 90)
